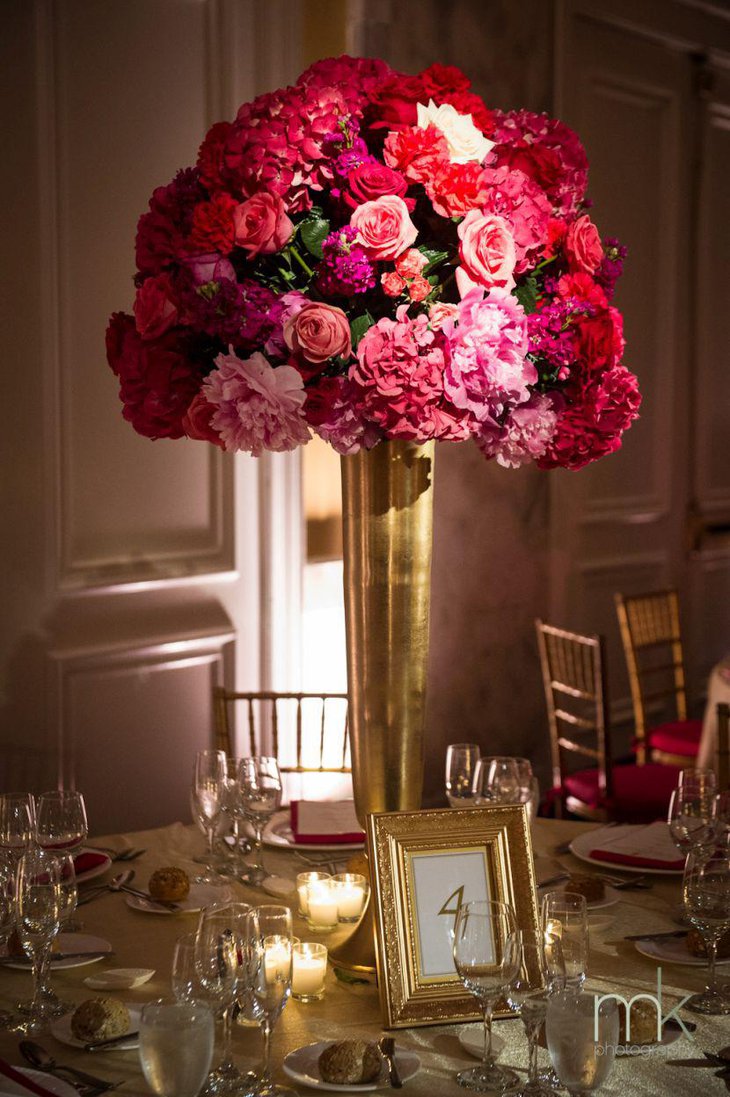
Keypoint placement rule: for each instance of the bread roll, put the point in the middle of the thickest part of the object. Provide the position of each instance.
(350, 1063)
(169, 883)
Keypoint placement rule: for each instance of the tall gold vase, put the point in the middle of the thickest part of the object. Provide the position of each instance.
(387, 499)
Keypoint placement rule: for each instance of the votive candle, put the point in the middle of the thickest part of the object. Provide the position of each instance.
(351, 890)
(277, 958)
(303, 879)
(309, 967)
(322, 913)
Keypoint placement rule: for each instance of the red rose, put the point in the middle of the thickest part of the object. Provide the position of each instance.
(196, 422)
(154, 306)
(393, 104)
(213, 227)
(321, 399)
(372, 179)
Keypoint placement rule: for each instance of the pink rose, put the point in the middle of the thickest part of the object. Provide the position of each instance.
(384, 228)
(419, 288)
(261, 224)
(154, 307)
(410, 263)
(440, 312)
(196, 422)
(392, 283)
(583, 245)
(318, 332)
(487, 253)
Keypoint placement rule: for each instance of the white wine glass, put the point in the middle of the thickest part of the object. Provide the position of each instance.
(581, 1037)
(565, 937)
(271, 984)
(54, 1005)
(260, 786)
(184, 981)
(496, 781)
(61, 823)
(706, 892)
(210, 772)
(38, 918)
(528, 993)
(487, 958)
(7, 917)
(17, 822)
(691, 818)
(461, 760)
(176, 1042)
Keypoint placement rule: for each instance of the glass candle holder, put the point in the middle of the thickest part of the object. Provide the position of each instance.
(278, 957)
(309, 967)
(351, 892)
(322, 911)
(303, 879)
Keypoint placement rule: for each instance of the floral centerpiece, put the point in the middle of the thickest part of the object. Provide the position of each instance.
(368, 255)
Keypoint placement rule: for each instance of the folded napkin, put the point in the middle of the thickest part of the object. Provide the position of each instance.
(88, 859)
(327, 822)
(24, 1081)
(638, 847)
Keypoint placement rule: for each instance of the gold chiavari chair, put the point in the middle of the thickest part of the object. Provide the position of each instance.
(574, 682)
(723, 746)
(652, 642)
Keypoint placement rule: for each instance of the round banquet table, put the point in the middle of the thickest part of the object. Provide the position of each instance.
(718, 689)
(146, 940)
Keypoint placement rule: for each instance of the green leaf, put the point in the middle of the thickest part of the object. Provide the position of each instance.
(528, 293)
(434, 257)
(313, 229)
(359, 326)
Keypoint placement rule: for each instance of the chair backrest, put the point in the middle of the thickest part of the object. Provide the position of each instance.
(313, 727)
(652, 641)
(573, 679)
(723, 746)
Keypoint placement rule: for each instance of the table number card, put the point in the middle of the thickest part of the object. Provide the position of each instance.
(441, 883)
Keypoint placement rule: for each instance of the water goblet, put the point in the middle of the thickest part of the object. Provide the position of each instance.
(487, 959)
(38, 917)
(528, 993)
(691, 818)
(706, 892)
(260, 783)
(721, 813)
(582, 1035)
(461, 758)
(565, 930)
(176, 1046)
(61, 824)
(496, 781)
(17, 822)
(272, 985)
(693, 780)
(207, 799)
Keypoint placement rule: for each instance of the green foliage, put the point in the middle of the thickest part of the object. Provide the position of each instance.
(359, 326)
(528, 293)
(313, 229)
(434, 257)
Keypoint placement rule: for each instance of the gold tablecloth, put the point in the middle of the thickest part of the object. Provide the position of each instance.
(146, 940)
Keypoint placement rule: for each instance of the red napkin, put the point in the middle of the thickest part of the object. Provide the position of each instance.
(635, 862)
(88, 859)
(331, 839)
(23, 1080)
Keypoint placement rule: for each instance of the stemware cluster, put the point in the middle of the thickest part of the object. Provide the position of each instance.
(38, 893)
(473, 780)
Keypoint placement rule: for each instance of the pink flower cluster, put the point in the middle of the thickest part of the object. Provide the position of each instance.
(369, 255)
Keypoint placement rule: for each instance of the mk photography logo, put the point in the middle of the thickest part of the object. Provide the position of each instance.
(661, 1017)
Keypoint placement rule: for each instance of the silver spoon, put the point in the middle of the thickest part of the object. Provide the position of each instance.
(121, 883)
(116, 884)
(38, 1057)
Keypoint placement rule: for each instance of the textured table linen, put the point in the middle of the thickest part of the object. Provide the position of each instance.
(718, 689)
(146, 940)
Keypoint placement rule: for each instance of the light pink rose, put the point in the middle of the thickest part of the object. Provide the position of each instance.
(318, 332)
(384, 227)
(487, 253)
(419, 288)
(410, 263)
(261, 224)
(154, 309)
(210, 267)
(392, 283)
(583, 245)
(440, 312)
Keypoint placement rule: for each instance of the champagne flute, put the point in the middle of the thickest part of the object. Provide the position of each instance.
(260, 784)
(272, 984)
(176, 1046)
(461, 758)
(528, 993)
(581, 1038)
(61, 823)
(565, 929)
(17, 822)
(54, 1005)
(706, 891)
(38, 913)
(487, 958)
(208, 793)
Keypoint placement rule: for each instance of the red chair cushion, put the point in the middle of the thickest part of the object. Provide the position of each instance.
(640, 793)
(677, 737)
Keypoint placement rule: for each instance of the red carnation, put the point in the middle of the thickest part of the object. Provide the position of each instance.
(211, 164)
(213, 226)
(418, 153)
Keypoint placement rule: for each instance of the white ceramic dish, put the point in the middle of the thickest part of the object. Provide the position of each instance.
(96, 870)
(670, 1033)
(278, 834)
(301, 1067)
(673, 950)
(582, 847)
(119, 978)
(73, 942)
(41, 1078)
(61, 1031)
(200, 895)
(471, 1038)
(610, 897)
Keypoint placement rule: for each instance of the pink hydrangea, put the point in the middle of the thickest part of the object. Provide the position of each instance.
(400, 375)
(256, 406)
(488, 370)
(523, 205)
(592, 424)
(547, 151)
(523, 435)
(334, 409)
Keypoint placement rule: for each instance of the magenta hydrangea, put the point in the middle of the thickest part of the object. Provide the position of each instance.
(590, 425)
(547, 151)
(162, 232)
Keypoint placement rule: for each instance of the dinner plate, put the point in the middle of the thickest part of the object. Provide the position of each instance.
(61, 1030)
(73, 942)
(301, 1066)
(610, 897)
(199, 896)
(41, 1078)
(582, 847)
(673, 950)
(670, 1033)
(471, 1038)
(96, 870)
(279, 835)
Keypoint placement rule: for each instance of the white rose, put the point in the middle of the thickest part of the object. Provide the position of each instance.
(465, 141)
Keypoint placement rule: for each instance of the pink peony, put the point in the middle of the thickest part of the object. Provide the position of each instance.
(318, 332)
(525, 208)
(488, 370)
(583, 246)
(154, 307)
(261, 225)
(196, 422)
(257, 407)
(400, 380)
(524, 435)
(487, 253)
(384, 228)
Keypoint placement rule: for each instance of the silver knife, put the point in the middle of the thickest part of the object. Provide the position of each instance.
(113, 1041)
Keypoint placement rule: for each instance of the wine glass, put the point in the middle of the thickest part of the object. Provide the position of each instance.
(496, 781)
(581, 1038)
(38, 917)
(224, 941)
(528, 993)
(61, 821)
(487, 958)
(691, 818)
(176, 1046)
(55, 1006)
(7, 916)
(706, 892)
(184, 979)
(208, 795)
(17, 822)
(721, 813)
(272, 984)
(565, 930)
(461, 758)
(260, 784)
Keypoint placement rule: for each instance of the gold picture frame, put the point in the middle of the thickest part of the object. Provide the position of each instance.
(416, 857)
